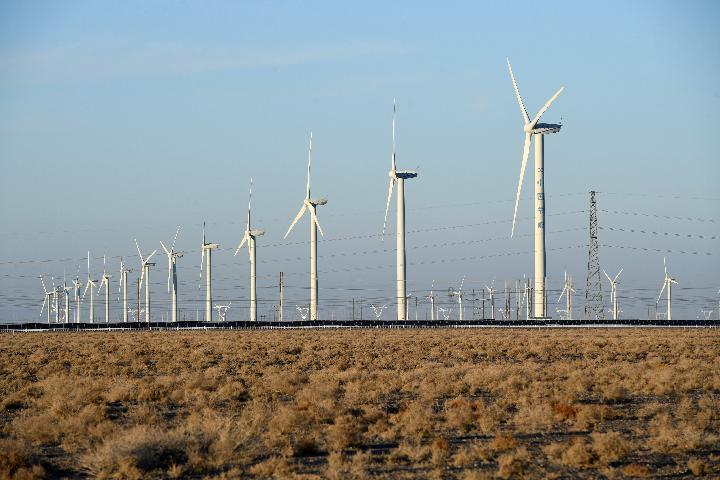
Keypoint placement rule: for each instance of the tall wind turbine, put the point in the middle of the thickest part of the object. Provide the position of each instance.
(66, 289)
(311, 205)
(76, 287)
(613, 293)
(172, 257)
(105, 280)
(249, 237)
(431, 297)
(568, 291)
(123, 286)
(90, 284)
(145, 265)
(459, 295)
(207, 247)
(48, 298)
(398, 176)
(667, 282)
(491, 289)
(539, 130)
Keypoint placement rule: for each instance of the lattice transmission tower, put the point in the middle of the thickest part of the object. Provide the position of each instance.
(593, 286)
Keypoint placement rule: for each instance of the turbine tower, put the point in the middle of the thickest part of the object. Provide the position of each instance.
(172, 257)
(311, 205)
(568, 291)
(207, 247)
(491, 290)
(398, 176)
(539, 130)
(249, 237)
(145, 275)
(46, 301)
(76, 287)
(65, 289)
(123, 286)
(90, 284)
(105, 280)
(667, 282)
(613, 293)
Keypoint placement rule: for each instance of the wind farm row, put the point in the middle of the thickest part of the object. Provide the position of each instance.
(534, 295)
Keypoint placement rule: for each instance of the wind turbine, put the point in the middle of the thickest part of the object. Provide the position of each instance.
(222, 311)
(568, 290)
(48, 296)
(311, 205)
(459, 295)
(398, 176)
(145, 275)
(65, 289)
(667, 282)
(431, 297)
(207, 247)
(76, 287)
(123, 286)
(172, 257)
(378, 310)
(539, 130)
(105, 280)
(491, 289)
(613, 293)
(90, 284)
(249, 237)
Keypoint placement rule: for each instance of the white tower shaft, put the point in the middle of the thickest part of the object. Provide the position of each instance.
(147, 293)
(401, 288)
(107, 302)
(174, 292)
(540, 274)
(253, 298)
(669, 304)
(67, 307)
(125, 305)
(92, 304)
(208, 286)
(313, 267)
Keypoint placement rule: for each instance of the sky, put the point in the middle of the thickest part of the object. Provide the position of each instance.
(123, 120)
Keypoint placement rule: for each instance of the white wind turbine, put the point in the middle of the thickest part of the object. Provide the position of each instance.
(172, 257)
(378, 310)
(90, 285)
(65, 289)
(539, 130)
(431, 298)
(222, 311)
(46, 301)
(76, 287)
(105, 280)
(123, 287)
(398, 176)
(207, 247)
(667, 282)
(311, 205)
(491, 289)
(249, 237)
(145, 265)
(613, 293)
(459, 295)
(568, 291)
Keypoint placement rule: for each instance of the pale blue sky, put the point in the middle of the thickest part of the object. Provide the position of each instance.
(125, 119)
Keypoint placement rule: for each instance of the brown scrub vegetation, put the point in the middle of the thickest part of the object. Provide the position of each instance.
(455, 403)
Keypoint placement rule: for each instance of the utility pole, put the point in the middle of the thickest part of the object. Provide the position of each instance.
(593, 286)
(281, 297)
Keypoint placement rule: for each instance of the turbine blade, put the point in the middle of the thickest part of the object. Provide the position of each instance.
(142, 276)
(393, 158)
(87, 285)
(138, 250)
(616, 276)
(525, 115)
(249, 204)
(167, 252)
(307, 197)
(297, 217)
(315, 220)
(608, 276)
(244, 239)
(172, 248)
(545, 107)
(526, 152)
(387, 205)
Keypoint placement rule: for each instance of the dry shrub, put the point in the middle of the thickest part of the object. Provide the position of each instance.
(476, 475)
(577, 454)
(336, 468)
(564, 411)
(592, 416)
(440, 450)
(514, 464)
(469, 454)
(18, 460)
(503, 441)
(414, 420)
(414, 451)
(136, 452)
(697, 466)
(609, 446)
(635, 470)
(273, 467)
(532, 417)
(343, 433)
(460, 414)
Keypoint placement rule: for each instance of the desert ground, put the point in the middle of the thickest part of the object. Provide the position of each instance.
(341, 404)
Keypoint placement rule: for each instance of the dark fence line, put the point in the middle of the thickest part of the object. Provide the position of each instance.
(298, 324)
